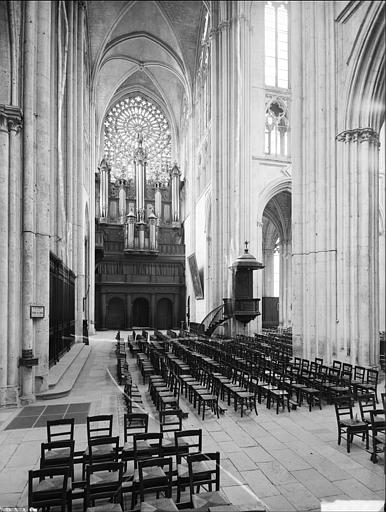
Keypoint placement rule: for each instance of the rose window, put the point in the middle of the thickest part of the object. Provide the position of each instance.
(128, 119)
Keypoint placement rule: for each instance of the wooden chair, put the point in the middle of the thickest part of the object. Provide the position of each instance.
(133, 423)
(312, 393)
(366, 404)
(101, 449)
(155, 476)
(187, 442)
(358, 378)
(146, 446)
(204, 472)
(378, 431)
(49, 487)
(58, 454)
(370, 386)
(349, 426)
(104, 481)
(170, 421)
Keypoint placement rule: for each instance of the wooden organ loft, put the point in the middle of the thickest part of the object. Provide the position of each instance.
(139, 249)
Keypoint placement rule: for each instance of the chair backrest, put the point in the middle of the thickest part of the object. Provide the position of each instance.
(359, 373)
(63, 429)
(170, 420)
(318, 360)
(378, 421)
(135, 423)
(343, 409)
(64, 451)
(162, 482)
(372, 377)
(41, 492)
(347, 368)
(147, 446)
(106, 448)
(98, 488)
(366, 404)
(297, 361)
(187, 442)
(99, 426)
(333, 375)
(337, 365)
(305, 364)
(204, 469)
(383, 399)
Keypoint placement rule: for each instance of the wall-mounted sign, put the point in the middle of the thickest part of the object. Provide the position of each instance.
(36, 311)
(195, 277)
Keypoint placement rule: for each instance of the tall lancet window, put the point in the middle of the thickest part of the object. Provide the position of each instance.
(276, 44)
(126, 120)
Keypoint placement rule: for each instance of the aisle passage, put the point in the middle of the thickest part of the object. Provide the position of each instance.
(290, 461)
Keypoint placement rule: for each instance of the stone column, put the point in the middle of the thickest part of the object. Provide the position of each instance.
(285, 285)
(43, 171)
(28, 220)
(14, 259)
(4, 198)
(314, 218)
(358, 251)
(80, 165)
(15, 208)
(268, 272)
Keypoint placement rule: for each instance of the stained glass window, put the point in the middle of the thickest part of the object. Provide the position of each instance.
(133, 116)
(276, 44)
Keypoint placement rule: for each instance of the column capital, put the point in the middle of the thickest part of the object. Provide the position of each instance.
(359, 135)
(223, 25)
(11, 118)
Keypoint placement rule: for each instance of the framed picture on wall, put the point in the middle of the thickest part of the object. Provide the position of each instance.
(196, 280)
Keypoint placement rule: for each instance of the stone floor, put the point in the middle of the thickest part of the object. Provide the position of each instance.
(291, 461)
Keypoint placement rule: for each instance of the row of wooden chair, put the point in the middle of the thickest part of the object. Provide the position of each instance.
(109, 468)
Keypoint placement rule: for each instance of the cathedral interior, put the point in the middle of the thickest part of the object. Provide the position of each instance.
(186, 177)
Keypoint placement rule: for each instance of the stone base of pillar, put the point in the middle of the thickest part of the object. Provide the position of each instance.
(12, 396)
(41, 384)
(27, 399)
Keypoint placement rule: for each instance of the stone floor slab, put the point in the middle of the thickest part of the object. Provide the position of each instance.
(316, 483)
(276, 473)
(278, 503)
(259, 483)
(300, 497)
(356, 490)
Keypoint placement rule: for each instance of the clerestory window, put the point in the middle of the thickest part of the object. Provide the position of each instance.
(276, 44)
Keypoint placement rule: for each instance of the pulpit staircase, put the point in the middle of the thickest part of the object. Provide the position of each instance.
(212, 320)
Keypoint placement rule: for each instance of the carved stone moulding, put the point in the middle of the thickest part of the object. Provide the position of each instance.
(11, 118)
(359, 135)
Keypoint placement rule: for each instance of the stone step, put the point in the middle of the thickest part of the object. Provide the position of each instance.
(63, 380)
(57, 371)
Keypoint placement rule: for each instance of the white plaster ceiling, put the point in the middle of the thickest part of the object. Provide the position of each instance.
(149, 45)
